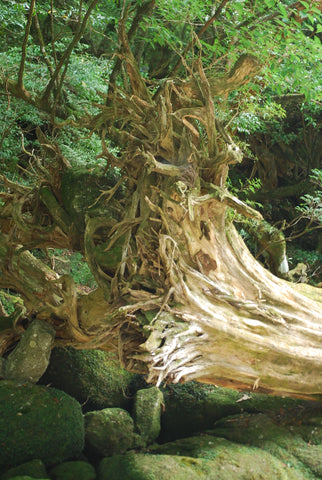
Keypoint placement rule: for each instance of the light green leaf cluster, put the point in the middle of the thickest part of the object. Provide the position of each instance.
(311, 206)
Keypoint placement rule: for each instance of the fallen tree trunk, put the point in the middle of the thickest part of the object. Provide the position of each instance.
(214, 314)
(179, 295)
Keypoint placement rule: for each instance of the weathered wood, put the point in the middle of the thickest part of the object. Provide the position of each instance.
(180, 296)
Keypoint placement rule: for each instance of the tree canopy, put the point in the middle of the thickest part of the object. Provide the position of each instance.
(121, 122)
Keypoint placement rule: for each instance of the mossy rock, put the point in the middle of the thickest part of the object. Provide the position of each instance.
(34, 468)
(2, 367)
(111, 259)
(77, 470)
(108, 432)
(25, 477)
(228, 462)
(294, 439)
(151, 467)
(81, 190)
(147, 413)
(193, 407)
(30, 358)
(93, 377)
(38, 422)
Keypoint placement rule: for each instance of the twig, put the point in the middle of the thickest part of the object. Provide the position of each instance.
(66, 56)
(24, 46)
(42, 45)
(52, 30)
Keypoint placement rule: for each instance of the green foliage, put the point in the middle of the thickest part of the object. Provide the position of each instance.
(85, 76)
(8, 301)
(297, 72)
(12, 21)
(36, 71)
(248, 123)
(311, 205)
(18, 121)
(245, 189)
(80, 271)
(79, 146)
(254, 115)
(311, 258)
(73, 263)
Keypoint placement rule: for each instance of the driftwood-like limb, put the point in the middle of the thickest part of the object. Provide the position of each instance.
(245, 68)
(163, 168)
(253, 330)
(230, 200)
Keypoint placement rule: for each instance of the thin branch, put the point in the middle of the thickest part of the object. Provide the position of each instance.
(24, 45)
(52, 30)
(66, 56)
(42, 45)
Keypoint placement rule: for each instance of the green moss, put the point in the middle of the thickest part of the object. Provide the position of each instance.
(282, 438)
(13, 306)
(147, 413)
(230, 462)
(73, 471)
(95, 378)
(151, 467)
(110, 259)
(38, 422)
(229, 457)
(34, 468)
(193, 407)
(81, 188)
(25, 477)
(109, 431)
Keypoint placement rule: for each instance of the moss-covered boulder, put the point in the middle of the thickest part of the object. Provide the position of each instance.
(108, 432)
(294, 437)
(34, 468)
(2, 367)
(147, 413)
(225, 462)
(29, 360)
(229, 460)
(95, 378)
(81, 190)
(25, 477)
(38, 422)
(73, 471)
(194, 407)
(152, 467)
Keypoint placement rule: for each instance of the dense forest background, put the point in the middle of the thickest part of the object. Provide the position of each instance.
(80, 83)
